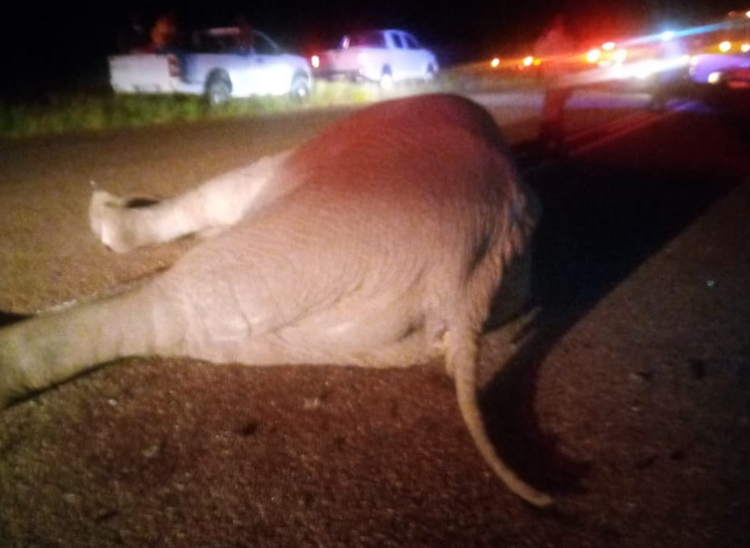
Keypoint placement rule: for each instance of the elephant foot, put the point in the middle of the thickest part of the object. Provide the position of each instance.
(108, 220)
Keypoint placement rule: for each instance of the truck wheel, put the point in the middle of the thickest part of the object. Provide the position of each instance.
(218, 90)
(300, 89)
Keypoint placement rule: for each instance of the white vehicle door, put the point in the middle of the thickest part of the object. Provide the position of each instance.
(415, 58)
(397, 56)
(269, 70)
(254, 67)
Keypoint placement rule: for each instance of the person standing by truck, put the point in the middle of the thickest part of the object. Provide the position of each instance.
(164, 33)
(245, 33)
(555, 48)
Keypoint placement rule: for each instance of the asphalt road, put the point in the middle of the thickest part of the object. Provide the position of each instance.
(628, 397)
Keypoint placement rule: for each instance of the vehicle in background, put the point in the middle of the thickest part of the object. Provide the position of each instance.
(515, 63)
(221, 63)
(721, 55)
(608, 54)
(715, 68)
(641, 61)
(383, 56)
(737, 77)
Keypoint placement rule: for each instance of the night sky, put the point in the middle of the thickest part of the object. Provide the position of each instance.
(51, 46)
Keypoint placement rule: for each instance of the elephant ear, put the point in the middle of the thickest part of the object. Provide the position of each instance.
(9, 318)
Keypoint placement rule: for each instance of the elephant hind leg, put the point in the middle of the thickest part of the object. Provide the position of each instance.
(124, 224)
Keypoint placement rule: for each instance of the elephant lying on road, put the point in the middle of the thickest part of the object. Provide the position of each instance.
(380, 242)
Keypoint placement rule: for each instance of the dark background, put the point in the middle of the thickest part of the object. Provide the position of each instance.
(55, 47)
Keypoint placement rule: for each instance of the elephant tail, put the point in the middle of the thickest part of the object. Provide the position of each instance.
(462, 356)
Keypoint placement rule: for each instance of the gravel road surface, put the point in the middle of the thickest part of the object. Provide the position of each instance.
(629, 399)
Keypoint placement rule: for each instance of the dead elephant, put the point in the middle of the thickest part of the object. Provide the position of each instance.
(380, 242)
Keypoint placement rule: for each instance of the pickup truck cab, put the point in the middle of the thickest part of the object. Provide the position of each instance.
(382, 56)
(218, 65)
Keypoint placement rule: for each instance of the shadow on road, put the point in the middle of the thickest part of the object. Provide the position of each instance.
(600, 222)
(9, 318)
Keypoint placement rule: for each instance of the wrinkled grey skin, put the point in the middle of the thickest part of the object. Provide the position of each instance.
(380, 242)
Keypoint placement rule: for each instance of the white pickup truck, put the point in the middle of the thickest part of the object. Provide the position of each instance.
(383, 56)
(216, 66)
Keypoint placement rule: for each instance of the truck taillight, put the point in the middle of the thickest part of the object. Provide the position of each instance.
(174, 66)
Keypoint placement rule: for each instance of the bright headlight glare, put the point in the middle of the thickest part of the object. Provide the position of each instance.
(593, 55)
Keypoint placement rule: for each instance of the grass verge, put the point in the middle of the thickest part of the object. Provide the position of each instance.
(92, 111)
